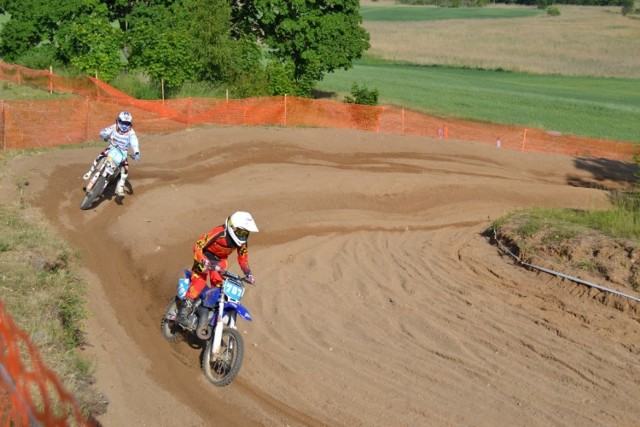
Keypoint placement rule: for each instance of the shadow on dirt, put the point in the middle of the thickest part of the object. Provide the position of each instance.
(109, 194)
(607, 174)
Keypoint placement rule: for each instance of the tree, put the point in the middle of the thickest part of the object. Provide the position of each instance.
(91, 44)
(308, 37)
(158, 43)
(36, 21)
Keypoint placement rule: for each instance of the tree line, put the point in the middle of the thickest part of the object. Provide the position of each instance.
(257, 47)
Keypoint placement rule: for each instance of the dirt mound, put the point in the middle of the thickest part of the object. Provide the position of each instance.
(379, 299)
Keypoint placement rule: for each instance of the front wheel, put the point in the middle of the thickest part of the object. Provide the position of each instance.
(170, 330)
(220, 369)
(93, 194)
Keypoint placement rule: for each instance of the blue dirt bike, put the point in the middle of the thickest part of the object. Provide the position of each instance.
(213, 320)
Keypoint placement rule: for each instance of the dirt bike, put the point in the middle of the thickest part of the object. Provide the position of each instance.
(106, 171)
(213, 321)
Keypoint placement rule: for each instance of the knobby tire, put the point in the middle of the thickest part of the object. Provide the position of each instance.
(222, 371)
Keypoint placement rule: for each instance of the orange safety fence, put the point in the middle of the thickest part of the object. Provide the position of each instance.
(30, 394)
(49, 123)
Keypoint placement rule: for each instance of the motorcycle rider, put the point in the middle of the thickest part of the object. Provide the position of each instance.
(120, 135)
(213, 249)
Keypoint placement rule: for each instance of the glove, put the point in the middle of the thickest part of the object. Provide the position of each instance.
(136, 156)
(249, 278)
(205, 265)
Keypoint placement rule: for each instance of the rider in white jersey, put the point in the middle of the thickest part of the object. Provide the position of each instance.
(120, 135)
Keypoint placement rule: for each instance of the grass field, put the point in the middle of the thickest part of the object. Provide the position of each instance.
(578, 73)
(433, 13)
(598, 108)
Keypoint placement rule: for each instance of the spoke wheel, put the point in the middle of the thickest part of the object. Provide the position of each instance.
(221, 368)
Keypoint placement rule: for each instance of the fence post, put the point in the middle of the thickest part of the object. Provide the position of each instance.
(285, 110)
(402, 125)
(189, 109)
(50, 79)
(524, 138)
(86, 123)
(4, 143)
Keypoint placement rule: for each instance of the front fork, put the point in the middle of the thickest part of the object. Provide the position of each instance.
(217, 333)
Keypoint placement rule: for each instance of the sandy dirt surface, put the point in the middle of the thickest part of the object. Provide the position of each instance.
(379, 302)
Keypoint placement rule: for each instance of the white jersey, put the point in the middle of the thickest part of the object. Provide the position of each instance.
(123, 141)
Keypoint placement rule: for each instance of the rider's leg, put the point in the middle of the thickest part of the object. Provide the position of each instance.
(124, 173)
(197, 284)
(95, 163)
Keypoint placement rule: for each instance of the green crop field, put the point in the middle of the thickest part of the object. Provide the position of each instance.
(586, 106)
(434, 13)
(576, 73)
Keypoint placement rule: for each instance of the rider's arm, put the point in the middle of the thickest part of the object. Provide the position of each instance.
(105, 133)
(243, 259)
(133, 140)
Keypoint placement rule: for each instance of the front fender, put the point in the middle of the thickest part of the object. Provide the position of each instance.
(238, 308)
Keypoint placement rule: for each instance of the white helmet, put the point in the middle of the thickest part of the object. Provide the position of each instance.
(123, 122)
(239, 225)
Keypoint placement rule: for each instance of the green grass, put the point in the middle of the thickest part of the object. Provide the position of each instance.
(622, 221)
(434, 13)
(43, 294)
(15, 92)
(586, 106)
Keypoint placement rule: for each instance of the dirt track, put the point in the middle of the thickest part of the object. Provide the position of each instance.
(379, 302)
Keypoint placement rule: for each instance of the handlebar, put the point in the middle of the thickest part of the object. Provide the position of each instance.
(231, 275)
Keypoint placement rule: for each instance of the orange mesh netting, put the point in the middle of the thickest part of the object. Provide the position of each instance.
(30, 394)
(30, 124)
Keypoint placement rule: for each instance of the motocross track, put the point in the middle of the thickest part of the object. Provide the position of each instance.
(379, 301)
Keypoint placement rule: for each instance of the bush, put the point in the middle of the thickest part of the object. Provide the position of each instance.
(362, 95)
(39, 58)
(553, 11)
(137, 85)
(627, 7)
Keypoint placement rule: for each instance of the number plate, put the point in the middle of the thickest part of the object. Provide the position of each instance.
(233, 290)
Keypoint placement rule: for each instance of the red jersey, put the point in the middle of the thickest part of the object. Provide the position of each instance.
(217, 245)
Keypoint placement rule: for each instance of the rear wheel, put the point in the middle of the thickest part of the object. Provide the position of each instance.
(93, 194)
(221, 368)
(170, 330)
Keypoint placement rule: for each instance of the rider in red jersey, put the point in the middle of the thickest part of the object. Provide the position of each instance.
(213, 249)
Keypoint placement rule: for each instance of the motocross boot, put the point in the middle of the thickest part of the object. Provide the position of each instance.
(185, 312)
(121, 182)
(88, 174)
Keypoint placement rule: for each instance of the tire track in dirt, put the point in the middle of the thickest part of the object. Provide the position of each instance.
(379, 301)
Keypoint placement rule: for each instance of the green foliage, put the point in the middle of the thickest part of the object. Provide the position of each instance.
(159, 44)
(313, 39)
(281, 80)
(627, 7)
(543, 4)
(362, 95)
(199, 90)
(138, 85)
(40, 57)
(90, 44)
(553, 11)
(36, 21)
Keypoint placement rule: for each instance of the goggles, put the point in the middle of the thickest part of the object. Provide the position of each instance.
(241, 234)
